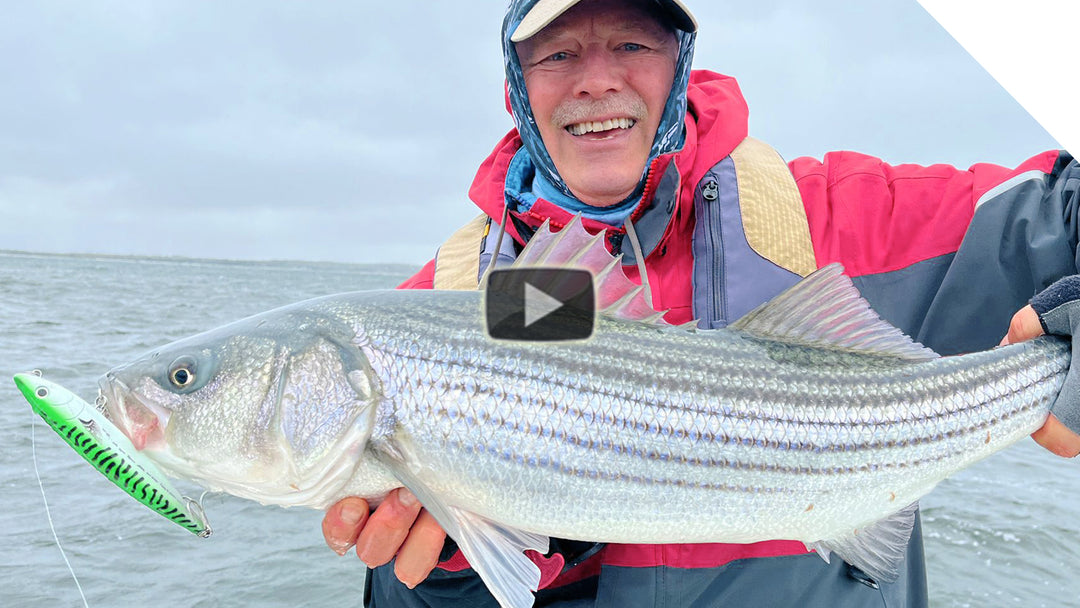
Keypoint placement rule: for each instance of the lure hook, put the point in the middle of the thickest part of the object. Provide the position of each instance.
(195, 507)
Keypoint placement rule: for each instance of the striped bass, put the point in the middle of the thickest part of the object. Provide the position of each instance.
(809, 419)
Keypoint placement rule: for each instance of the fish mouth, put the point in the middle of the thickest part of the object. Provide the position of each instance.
(142, 422)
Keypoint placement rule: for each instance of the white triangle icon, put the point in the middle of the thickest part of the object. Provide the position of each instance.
(538, 304)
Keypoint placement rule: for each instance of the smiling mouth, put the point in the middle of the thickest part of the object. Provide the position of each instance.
(600, 126)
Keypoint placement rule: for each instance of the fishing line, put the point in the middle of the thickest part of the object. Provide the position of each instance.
(33, 449)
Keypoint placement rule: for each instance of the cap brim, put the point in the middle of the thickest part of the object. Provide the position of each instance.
(545, 11)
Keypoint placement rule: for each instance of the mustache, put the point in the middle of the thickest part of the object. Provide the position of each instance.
(573, 111)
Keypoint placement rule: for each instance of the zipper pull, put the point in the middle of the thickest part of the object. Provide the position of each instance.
(710, 191)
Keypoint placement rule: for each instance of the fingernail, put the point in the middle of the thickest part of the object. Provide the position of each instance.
(351, 515)
(406, 498)
(340, 548)
(362, 553)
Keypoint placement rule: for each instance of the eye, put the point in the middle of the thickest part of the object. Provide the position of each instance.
(637, 47)
(42, 392)
(181, 377)
(182, 372)
(556, 57)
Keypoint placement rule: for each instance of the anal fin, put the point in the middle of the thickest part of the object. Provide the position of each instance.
(877, 550)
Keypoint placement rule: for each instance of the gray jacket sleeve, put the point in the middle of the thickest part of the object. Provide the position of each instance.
(1022, 238)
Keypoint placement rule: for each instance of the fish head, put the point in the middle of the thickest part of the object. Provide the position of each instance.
(186, 398)
(271, 405)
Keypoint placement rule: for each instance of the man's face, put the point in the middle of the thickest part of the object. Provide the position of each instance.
(598, 78)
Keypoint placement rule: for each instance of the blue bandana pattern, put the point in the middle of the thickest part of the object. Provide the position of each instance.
(524, 184)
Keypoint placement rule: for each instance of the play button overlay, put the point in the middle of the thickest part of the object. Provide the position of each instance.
(539, 304)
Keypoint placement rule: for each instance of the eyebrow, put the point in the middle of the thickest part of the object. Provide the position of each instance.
(650, 28)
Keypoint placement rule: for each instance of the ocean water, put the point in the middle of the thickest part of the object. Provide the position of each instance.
(1002, 533)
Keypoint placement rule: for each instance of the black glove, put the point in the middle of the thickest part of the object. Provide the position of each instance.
(1058, 307)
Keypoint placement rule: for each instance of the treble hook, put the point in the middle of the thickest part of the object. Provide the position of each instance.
(196, 507)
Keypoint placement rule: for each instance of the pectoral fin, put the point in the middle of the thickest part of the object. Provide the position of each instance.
(495, 552)
(877, 550)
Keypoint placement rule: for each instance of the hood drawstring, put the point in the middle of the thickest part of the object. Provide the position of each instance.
(498, 248)
(640, 259)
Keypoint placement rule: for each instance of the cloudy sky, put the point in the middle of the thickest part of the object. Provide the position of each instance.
(350, 130)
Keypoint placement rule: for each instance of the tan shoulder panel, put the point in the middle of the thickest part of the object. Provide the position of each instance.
(773, 216)
(457, 265)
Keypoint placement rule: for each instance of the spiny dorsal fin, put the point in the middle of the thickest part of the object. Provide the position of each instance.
(825, 309)
(573, 247)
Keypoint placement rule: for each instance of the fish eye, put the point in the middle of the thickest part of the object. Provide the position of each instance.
(182, 372)
(42, 392)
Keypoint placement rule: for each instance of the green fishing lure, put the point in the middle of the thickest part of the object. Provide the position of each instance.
(95, 437)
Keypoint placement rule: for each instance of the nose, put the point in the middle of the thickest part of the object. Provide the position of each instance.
(600, 73)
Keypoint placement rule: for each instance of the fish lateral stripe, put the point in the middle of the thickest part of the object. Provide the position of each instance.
(530, 427)
(568, 384)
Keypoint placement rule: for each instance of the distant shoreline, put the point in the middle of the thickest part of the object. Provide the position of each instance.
(224, 261)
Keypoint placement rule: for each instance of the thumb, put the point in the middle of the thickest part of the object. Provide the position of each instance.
(1025, 325)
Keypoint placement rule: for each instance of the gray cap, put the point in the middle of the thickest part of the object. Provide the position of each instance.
(546, 11)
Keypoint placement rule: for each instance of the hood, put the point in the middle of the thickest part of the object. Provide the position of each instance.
(670, 135)
(715, 122)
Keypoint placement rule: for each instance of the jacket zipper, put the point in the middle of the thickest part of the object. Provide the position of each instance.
(714, 243)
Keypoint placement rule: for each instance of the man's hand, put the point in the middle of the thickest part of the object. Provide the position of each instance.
(398, 527)
(1054, 435)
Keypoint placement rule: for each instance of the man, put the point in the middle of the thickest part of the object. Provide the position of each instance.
(612, 124)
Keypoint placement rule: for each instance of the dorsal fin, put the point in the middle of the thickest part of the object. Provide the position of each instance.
(825, 309)
(573, 247)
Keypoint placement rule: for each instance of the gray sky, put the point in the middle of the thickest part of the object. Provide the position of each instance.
(350, 131)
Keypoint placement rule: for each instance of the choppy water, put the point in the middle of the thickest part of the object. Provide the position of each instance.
(1002, 533)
